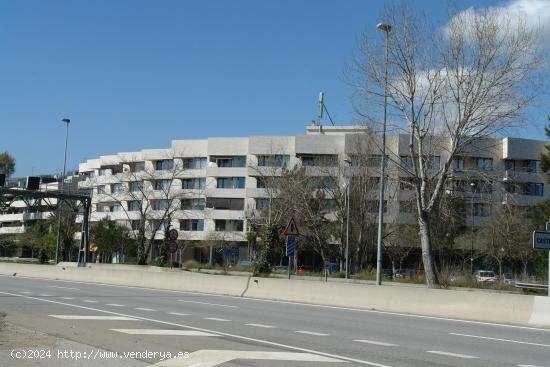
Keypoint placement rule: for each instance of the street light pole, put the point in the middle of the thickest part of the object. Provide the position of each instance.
(386, 28)
(58, 244)
(472, 185)
(347, 217)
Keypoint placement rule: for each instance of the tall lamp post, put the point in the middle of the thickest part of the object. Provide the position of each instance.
(58, 244)
(348, 162)
(472, 186)
(386, 28)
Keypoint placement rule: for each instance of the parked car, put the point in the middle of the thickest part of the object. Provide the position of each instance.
(485, 276)
(509, 279)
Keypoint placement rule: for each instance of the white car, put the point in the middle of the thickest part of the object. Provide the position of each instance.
(486, 276)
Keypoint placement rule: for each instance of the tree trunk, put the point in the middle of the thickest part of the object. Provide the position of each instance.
(430, 270)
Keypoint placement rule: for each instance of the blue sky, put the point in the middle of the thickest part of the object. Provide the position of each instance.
(137, 74)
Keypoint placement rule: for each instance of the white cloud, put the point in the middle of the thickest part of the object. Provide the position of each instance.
(535, 14)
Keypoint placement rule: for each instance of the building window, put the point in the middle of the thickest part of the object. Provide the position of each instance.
(262, 203)
(434, 162)
(228, 225)
(484, 164)
(193, 183)
(533, 189)
(101, 189)
(482, 187)
(233, 161)
(103, 171)
(458, 163)
(160, 225)
(530, 166)
(109, 207)
(163, 185)
(194, 163)
(328, 205)
(161, 204)
(136, 186)
(134, 206)
(225, 203)
(406, 183)
(406, 162)
(193, 225)
(406, 207)
(230, 182)
(117, 187)
(135, 224)
(164, 165)
(510, 165)
(482, 210)
(373, 205)
(277, 160)
(193, 204)
(320, 160)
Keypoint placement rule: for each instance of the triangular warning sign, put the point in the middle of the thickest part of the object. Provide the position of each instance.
(291, 228)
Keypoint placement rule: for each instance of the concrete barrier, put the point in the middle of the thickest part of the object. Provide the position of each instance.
(467, 304)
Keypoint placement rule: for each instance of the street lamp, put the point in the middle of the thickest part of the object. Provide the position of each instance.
(66, 121)
(472, 186)
(348, 162)
(386, 28)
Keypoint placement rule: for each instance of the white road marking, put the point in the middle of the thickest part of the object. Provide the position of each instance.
(207, 303)
(44, 295)
(89, 301)
(178, 313)
(210, 358)
(56, 286)
(310, 333)
(144, 309)
(501, 340)
(340, 308)
(215, 319)
(66, 297)
(527, 365)
(374, 342)
(163, 332)
(449, 354)
(229, 335)
(84, 317)
(262, 326)
(27, 292)
(114, 305)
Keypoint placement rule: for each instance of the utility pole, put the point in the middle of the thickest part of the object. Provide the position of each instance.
(58, 244)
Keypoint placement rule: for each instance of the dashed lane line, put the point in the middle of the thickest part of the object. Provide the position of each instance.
(163, 332)
(261, 326)
(89, 301)
(215, 319)
(178, 313)
(207, 303)
(145, 309)
(501, 340)
(94, 317)
(375, 342)
(449, 354)
(115, 304)
(310, 333)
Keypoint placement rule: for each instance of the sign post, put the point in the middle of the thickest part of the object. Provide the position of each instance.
(172, 244)
(291, 232)
(541, 242)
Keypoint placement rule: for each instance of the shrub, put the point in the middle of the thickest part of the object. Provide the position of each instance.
(160, 261)
(191, 264)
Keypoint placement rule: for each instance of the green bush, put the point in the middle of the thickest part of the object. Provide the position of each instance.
(191, 264)
(160, 261)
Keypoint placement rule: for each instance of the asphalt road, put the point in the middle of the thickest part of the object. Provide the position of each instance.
(233, 331)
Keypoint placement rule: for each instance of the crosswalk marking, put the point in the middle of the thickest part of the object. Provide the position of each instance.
(86, 317)
(163, 332)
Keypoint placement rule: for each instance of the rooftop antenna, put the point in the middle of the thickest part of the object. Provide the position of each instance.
(323, 108)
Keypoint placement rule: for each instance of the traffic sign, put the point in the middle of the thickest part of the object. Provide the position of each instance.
(541, 240)
(173, 234)
(290, 245)
(291, 228)
(172, 246)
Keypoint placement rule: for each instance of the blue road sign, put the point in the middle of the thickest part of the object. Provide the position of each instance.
(290, 245)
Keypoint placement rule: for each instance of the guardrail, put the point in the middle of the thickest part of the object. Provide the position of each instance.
(531, 286)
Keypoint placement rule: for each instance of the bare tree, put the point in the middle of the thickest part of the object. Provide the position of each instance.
(446, 90)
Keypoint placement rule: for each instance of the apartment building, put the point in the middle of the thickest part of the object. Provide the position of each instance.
(211, 183)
